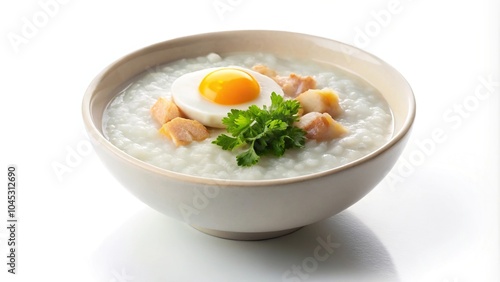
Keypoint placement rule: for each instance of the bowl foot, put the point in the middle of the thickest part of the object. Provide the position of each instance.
(245, 236)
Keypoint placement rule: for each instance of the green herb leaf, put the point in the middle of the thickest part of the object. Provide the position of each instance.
(227, 142)
(248, 157)
(269, 130)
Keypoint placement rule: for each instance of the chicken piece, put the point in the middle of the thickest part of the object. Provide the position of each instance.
(320, 126)
(262, 69)
(323, 101)
(183, 131)
(165, 110)
(294, 84)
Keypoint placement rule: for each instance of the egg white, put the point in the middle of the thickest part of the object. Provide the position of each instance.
(186, 95)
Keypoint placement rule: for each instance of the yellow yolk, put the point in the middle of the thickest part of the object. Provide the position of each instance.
(229, 86)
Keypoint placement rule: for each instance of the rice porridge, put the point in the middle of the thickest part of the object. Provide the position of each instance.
(128, 124)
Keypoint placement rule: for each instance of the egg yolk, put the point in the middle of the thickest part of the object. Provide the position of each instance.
(229, 86)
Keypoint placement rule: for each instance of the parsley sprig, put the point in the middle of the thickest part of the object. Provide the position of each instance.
(269, 130)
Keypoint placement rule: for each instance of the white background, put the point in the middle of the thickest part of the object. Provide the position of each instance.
(434, 218)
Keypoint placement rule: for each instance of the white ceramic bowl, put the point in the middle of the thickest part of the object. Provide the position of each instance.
(260, 209)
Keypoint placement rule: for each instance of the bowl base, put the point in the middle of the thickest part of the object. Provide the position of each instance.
(245, 236)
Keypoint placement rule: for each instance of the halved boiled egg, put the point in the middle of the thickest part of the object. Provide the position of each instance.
(208, 95)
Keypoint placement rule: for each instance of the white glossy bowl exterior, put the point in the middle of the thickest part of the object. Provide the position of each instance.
(251, 209)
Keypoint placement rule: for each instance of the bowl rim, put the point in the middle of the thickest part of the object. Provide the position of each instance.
(93, 131)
